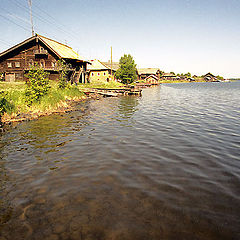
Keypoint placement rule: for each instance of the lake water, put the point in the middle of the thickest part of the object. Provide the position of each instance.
(162, 166)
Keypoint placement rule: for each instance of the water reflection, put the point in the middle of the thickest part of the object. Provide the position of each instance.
(127, 106)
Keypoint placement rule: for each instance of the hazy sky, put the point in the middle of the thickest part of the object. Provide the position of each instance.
(198, 36)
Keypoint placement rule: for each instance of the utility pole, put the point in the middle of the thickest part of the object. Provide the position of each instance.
(30, 8)
(111, 62)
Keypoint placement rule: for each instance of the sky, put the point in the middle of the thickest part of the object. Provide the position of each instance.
(196, 36)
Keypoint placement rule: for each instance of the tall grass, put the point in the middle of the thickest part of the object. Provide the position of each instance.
(56, 97)
(14, 93)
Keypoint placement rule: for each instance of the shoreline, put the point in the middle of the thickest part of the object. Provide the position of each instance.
(62, 107)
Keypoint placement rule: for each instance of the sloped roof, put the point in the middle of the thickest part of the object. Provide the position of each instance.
(115, 65)
(96, 65)
(168, 75)
(61, 50)
(147, 70)
(209, 75)
(151, 76)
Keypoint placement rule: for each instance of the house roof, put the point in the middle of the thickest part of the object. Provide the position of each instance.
(98, 65)
(61, 50)
(151, 76)
(115, 65)
(209, 75)
(147, 70)
(168, 75)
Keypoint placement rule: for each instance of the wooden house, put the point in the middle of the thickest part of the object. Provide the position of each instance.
(209, 77)
(152, 79)
(169, 76)
(17, 61)
(101, 71)
(143, 73)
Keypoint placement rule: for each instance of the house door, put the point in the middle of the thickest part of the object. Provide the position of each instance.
(80, 79)
(10, 77)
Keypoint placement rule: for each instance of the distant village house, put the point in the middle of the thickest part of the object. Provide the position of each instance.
(101, 71)
(169, 76)
(145, 73)
(209, 77)
(18, 60)
(152, 79)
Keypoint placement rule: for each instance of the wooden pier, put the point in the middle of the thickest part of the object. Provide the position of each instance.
(115, 92)
(146, 85)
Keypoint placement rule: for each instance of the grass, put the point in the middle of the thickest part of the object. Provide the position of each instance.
(9, 86)
(56, 98)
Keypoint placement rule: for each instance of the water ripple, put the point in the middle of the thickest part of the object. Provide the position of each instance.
(162, 166)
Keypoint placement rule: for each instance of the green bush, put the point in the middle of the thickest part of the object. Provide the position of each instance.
(56, 95)
(5, 105)
(63, 69)
(37, 84)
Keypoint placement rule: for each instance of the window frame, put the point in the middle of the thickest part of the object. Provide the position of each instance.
(42, 62)
(17, 64)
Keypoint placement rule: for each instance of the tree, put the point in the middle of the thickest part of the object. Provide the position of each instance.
(220, 77)
(63, 69)
(161, 73)
(187, 74)
(37, 84)
(127, 71)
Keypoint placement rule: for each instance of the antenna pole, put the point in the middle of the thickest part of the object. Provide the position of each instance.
(30, 8)
(111, 62)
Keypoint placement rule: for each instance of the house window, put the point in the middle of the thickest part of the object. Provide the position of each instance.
(18, 76)
(9, 64)
(42, 64)
(92, 74)
(54, 64)
(17, 64)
